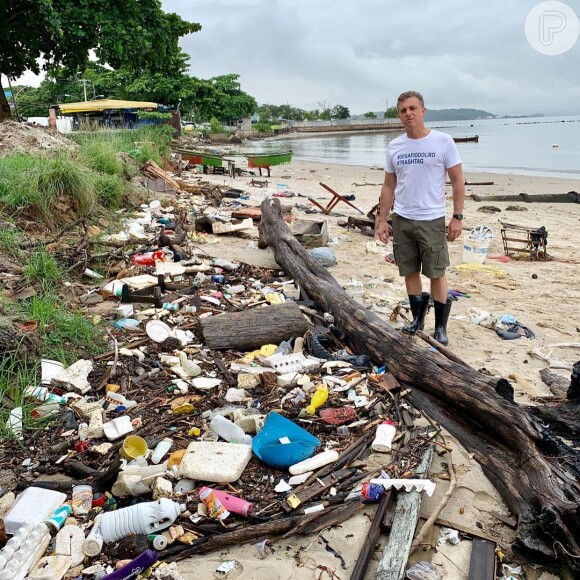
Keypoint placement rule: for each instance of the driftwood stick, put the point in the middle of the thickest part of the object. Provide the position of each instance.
(442, 349)
(439, 508)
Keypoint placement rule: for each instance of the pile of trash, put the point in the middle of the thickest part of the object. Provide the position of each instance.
(225, 402)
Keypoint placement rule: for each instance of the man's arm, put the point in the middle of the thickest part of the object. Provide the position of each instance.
(458, 189)
(385, 206)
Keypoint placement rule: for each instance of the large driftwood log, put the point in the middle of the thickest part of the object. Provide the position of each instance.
(534, 471)
(253, 328)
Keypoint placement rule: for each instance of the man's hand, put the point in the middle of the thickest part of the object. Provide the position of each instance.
(454, 230)
(383, 232)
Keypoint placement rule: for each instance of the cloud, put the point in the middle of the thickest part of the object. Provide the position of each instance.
(358, 54)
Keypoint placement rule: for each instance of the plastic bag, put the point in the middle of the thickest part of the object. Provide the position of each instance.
(324, 255)
(422, 571)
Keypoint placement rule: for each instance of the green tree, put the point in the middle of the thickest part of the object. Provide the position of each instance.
(136, 34)
(370, 115)
(231, 102)
(340, 112)
(391, 113)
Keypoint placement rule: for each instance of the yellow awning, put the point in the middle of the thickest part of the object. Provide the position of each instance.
(103, 105)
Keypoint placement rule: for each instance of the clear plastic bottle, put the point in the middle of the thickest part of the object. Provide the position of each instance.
(229, 431)
(384, 437)
(144, 518)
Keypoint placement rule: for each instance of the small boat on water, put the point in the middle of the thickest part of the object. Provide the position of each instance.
(474, 139)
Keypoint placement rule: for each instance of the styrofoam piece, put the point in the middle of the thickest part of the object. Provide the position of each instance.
(136, 480)
(215, 461)
(162, 488)
(407, 484)
(21, 552)
(140, 282)
(298, 479)
(157, 330)
(169, 268)
(248, 368)
(205, 383)
(69, 542)
(34, 504)
(288, 363)
(118, 427)
(314, 462)
(288, 379)
(48, 369)
(75, 376)
(226, 228)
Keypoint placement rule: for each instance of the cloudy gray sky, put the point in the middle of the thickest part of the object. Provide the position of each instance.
(358, 53)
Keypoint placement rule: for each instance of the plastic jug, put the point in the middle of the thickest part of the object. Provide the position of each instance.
(229, 431)
(144, 518)
(384, 437)
(318, 399)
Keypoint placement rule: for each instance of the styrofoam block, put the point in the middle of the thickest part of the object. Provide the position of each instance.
(50, 568)
(69, 542)
(34, 504)
(215, 461)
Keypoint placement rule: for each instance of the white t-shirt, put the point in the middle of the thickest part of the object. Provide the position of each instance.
(420, 166)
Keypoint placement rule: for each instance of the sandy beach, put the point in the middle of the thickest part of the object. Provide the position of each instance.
(542, 295)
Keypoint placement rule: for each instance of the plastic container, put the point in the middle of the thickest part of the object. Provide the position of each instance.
(313, 463)
(58, 518)
(229, 431)
(214, 506)
(233, 504)
(42, 394)
(134, 567)
(93, 543)
(14, 423)
(384, 437)
(318, 399)
(48, 369)
(82, 499)
(267, 446)
(157, 541)
(160, 450)
(133, 447)
(144, 518)
(476, 245)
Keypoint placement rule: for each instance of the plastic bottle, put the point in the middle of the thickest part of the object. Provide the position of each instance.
(93, 543)
(42, 394)
(233, 504)
(144, 518)
(384, 437)
(318, 399)
(313, 463)
(229, 431)
(162, 448)
(134, 567)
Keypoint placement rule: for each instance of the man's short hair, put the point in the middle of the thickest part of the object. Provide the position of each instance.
(408, 94)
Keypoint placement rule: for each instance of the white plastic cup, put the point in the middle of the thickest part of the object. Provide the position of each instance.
(82, 499)
(48, 369)
(384, 437)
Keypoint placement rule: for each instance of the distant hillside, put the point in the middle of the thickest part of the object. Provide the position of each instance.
(445, 115)
(456, 114)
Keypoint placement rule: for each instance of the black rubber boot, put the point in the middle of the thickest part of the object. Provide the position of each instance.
(419, 306)
(442, 311)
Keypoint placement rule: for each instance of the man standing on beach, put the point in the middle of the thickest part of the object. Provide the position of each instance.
(414, 188)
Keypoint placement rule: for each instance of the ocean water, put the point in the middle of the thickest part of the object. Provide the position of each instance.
(524, 146)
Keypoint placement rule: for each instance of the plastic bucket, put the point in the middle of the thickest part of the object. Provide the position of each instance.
(266, 444)
(475, 251)
(477, 244)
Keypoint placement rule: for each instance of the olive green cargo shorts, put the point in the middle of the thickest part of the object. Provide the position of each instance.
(420, 246)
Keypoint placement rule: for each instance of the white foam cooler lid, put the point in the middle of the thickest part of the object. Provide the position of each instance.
(34, 504)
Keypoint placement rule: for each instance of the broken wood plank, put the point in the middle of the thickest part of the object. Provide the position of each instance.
(482, 562)
(396, 553)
